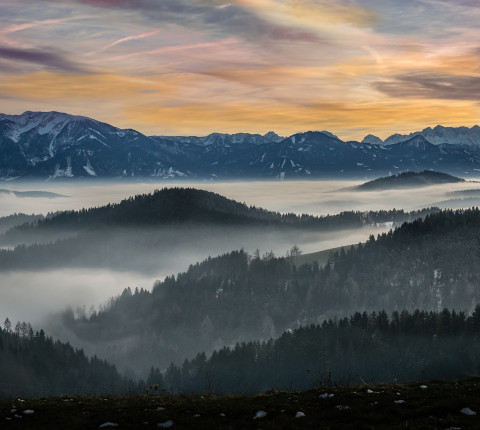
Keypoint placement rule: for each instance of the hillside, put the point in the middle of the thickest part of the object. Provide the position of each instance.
(372, 347)
(144, 231)
(171, 206)
(14, 220)
(428, 264)
(33, 364)
(409, 180)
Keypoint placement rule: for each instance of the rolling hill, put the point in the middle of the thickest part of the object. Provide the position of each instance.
(409, 180)
(428, 264)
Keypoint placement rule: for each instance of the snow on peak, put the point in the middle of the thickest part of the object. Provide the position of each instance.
(442, 135)
(329, 134)
(372, 139)
(42, 122)
(271, 136)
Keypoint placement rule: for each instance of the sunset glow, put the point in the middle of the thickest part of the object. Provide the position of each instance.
(178, 67)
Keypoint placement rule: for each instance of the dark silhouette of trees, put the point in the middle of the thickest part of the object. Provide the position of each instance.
(364, 347)
(33, 364)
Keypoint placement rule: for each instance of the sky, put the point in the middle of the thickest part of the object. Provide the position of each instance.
(192, 67)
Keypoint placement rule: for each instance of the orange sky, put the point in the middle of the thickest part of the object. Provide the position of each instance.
(188, 67)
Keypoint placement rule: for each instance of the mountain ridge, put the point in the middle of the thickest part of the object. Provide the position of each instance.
(53, 145)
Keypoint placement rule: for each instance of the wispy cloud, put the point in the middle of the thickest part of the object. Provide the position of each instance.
(28, 25)
(244, 65)
(49, 59)
(234, 20)
(427, 85)
(128, 39)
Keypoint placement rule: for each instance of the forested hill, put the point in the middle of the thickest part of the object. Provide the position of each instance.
(428, 264)
(34, 364)
(375, 347)
(409, 180)
(16, 219)
(188, 205)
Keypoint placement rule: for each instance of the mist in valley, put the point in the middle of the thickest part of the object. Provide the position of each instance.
(139, 257)
(320, 197)
(113, 260)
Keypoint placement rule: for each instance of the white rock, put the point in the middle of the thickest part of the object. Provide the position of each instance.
(423, 387)
(166, 424)
(467, 411)
(28, 411)
(260, 414)
(107, 424)
(299, 415)
(399, 402)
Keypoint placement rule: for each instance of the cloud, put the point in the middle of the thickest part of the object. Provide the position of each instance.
(431, 86)
(465, 3)
(59, 87)
(28, 25)
(8, 67)
(129, 38)
(210, 16)
(49, 59)
(339, 11)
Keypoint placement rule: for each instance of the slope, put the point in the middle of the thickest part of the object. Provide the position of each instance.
(428, 264)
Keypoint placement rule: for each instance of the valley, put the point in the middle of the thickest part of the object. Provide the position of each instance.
(144, 255)
(239, 214)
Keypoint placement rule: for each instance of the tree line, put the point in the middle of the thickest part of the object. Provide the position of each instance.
(362, 348)
(33, 364)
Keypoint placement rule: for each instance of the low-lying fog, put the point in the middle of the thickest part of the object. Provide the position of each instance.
(313, 197)
(30, 296)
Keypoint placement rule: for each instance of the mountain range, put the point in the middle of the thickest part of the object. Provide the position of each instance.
(50, 145)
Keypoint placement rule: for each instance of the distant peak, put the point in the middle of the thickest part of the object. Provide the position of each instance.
(271, 134)
(372, 139)
(440, 135)
(327, 133)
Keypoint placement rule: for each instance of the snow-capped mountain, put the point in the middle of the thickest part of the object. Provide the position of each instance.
(225, 140)
(370, 138)
(53, 145)
(440, 135)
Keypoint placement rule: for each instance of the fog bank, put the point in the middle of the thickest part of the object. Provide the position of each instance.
(313, 197)
(30, 296)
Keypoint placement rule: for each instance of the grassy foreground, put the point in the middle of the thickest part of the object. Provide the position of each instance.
(433, 405)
